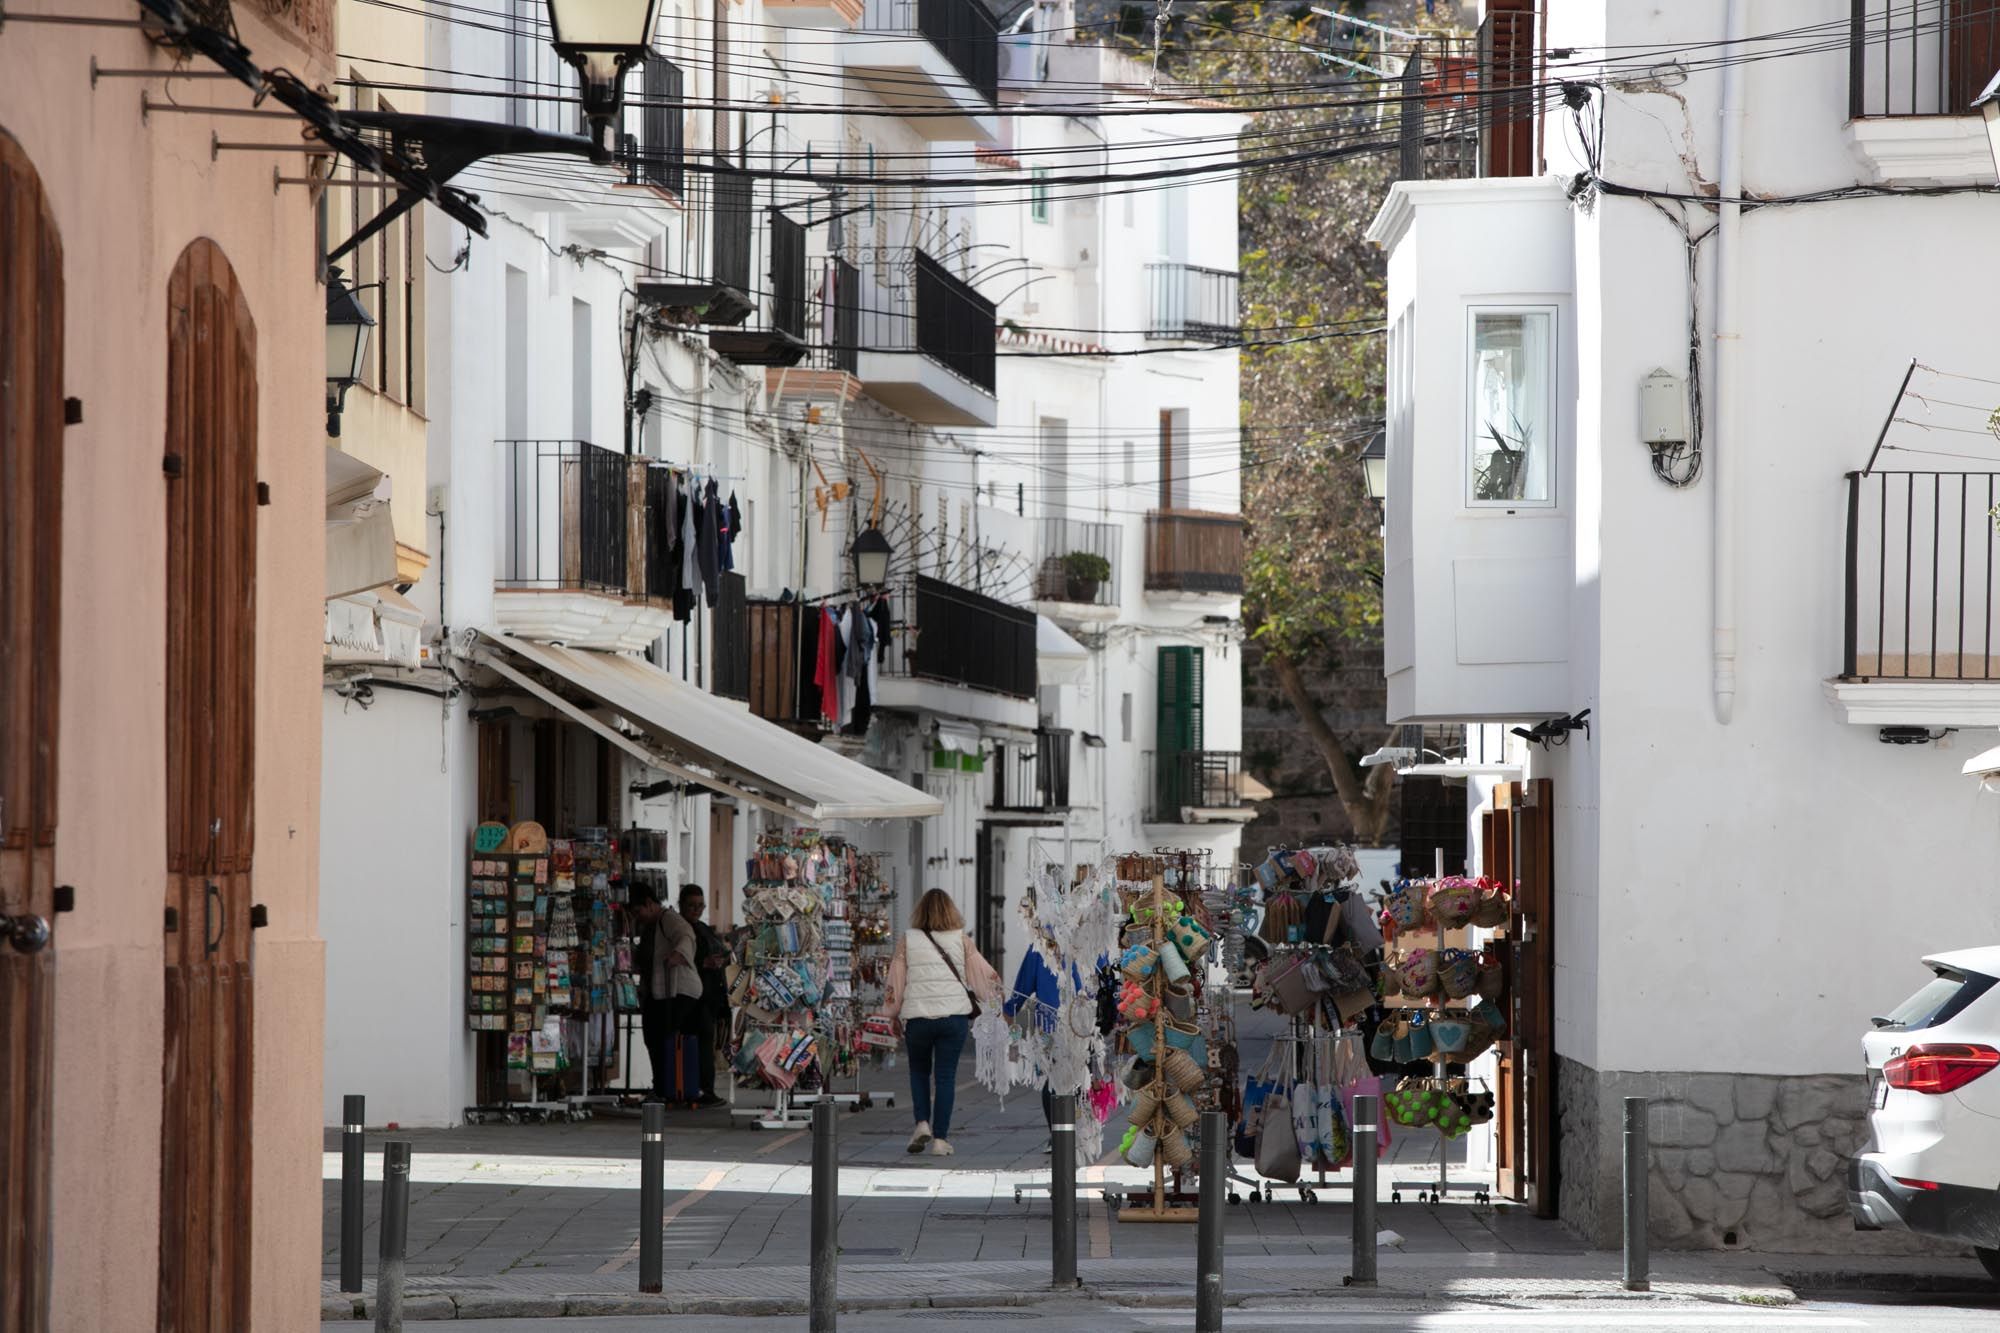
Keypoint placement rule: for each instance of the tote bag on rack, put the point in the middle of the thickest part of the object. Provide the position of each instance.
(1277, 1154)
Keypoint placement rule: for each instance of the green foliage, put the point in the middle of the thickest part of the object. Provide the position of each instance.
(1086, 565)
(1311, 574)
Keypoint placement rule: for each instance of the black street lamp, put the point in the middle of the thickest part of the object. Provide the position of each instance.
(347, 326)
(1375, 466)
(871, 552)
(603, 39)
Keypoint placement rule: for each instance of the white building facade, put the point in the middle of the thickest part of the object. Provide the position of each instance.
(1749, 588)
(747, 298)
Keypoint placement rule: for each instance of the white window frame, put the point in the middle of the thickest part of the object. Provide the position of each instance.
(1472, 425)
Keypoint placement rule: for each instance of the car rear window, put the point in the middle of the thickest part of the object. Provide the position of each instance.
(1937, 1001)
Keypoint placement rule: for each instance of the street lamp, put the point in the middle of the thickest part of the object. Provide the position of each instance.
(603, 39)
(1375, 466)
(347, 325)
(1988, 103)
(871, 552)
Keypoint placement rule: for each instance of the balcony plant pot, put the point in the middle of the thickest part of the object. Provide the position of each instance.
(1084, 573)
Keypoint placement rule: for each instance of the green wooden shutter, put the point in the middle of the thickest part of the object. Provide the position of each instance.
(1179, 729)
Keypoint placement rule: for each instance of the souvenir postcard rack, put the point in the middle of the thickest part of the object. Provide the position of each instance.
(539, 950)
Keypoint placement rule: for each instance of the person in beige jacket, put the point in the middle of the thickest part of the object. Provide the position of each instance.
(669, 985)
(932, 981)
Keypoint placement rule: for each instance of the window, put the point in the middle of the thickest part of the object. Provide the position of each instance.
(1038, 195)
(1510, 413)
(662, 147)
(580, 370)
(1175, 464)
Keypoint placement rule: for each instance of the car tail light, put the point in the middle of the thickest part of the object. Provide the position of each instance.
(1939, 1068)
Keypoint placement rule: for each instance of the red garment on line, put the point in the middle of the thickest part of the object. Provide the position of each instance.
(826, 673)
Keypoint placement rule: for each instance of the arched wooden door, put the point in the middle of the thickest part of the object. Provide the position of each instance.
(31, 429)
(211, 651)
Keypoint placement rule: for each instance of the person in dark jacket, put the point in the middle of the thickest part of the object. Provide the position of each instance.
(708, 1015)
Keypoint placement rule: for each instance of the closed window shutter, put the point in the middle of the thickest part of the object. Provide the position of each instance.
(1179, 729)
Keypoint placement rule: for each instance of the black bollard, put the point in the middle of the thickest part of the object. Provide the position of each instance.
(1636, 1166)
(1208, 1242)
(1062, 1191)
(652, 1192)
(1362, 1271)
(352, 1168)
(395, 1237)
(825, 1220)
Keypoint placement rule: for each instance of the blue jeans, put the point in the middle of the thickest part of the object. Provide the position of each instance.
(934, 1045)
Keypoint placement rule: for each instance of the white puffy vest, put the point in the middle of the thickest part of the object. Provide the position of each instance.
(932, 991)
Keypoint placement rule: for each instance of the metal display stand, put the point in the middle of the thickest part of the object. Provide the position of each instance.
(1435, 1190)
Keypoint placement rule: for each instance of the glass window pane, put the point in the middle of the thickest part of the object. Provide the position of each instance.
(1512, 426)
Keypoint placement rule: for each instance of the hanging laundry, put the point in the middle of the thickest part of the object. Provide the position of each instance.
(826, 675)
(843, 624)
(678, 547)
(879, 613)
(690, 577)
(860, 667)
(732, 528)
(708, 535)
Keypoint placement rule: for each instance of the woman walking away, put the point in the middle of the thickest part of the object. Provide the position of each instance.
(935, 981)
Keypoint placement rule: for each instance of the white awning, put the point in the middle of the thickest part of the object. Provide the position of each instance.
(692, 734)
(360, 542)
(960, 736)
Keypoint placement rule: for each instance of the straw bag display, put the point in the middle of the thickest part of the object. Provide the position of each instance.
(1172, 964)
(1495, 906)
(1418, 971)
(1458, 973)
(1139, 962)
(1179, 1000)
(1405, 906)
(1174, 1150)
(1181, 1111)
(1190, 937)
(1145, 1107)
(1182, 1071)
(1138, 1146)
(1452, 901)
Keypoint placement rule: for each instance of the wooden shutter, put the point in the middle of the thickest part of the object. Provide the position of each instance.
(211, 648)
(1179, 726)
(31, 430)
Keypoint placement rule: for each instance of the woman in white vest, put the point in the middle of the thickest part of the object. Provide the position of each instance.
(933, 980)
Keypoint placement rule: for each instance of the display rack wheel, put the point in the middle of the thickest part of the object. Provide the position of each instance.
(1231, 1196)
(1312, 1197)
(1017, 1194)
(1482, 1197)
(1395, 1196)
(1267, 1192)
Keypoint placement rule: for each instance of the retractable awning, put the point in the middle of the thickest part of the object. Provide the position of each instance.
(690, 733)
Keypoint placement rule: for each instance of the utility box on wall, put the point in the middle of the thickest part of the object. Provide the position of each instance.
(1479, 565)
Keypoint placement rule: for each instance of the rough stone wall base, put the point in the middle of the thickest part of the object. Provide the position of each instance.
(1740, 1161)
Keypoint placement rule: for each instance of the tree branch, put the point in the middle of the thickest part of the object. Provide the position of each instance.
(1366, 802)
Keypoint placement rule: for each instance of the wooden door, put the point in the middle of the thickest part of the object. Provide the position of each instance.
(1519, 846)
(31, 429)
(721, 865)
(211, 439)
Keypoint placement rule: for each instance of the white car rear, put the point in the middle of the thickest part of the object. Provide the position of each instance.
(1932, 1164)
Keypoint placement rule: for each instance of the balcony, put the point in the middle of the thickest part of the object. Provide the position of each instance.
(927, 345)
(933, 56)
(1471, 104)
(780, 648)
(1918, 629)
(729, 639)
(1189, 551)
(724, 295)
(574, 542)
(1077, 580)
(781, 342)
(960, 653)
(1193, 304)
(1033, 779)
(829, 369)
(1195, 787)
(1913, 70)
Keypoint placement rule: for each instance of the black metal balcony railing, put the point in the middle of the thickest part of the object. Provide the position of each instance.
(563, 516)
(780, 652)
(962, 30)
(1920, 576)
(953, 634)
(843, 295)
(1181, 782)
(732, 221)
(1189, 301)
(1192, 551)
(656, 155)
(729, 636)
(1033, 779)
(1920, 57)
(955, 324)
(661, 577)
(788, 275)
(1471, 106)
(1062, 579)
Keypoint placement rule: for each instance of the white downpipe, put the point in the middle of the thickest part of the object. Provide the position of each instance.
(1728, 230)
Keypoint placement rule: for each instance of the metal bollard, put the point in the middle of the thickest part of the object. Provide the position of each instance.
(1062, 1191)
(1362, 1271)
(1638, 1161)
(352, 1167)
(652, 1192)
(395, 1237)
(823, 1314)
(1208, 1241)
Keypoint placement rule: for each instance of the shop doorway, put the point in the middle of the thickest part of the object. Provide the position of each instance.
(211, 652)
(1519, 845)
(989, 899)
(31, 430)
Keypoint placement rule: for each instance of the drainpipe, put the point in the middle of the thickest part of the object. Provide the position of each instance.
(1728, 231)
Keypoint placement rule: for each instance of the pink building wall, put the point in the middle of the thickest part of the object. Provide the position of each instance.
(128, 195)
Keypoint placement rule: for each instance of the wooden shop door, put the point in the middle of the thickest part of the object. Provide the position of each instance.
(1518, 846)
(205, 1102)
(31, 461)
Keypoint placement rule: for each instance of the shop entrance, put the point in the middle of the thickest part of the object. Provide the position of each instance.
(31, 430)
(1519, 846)
(211, 652)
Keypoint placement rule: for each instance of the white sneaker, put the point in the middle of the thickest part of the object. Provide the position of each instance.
(940, 1148)
(920, 1137)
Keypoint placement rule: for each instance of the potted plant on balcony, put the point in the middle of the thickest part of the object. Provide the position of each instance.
(1083, 572)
